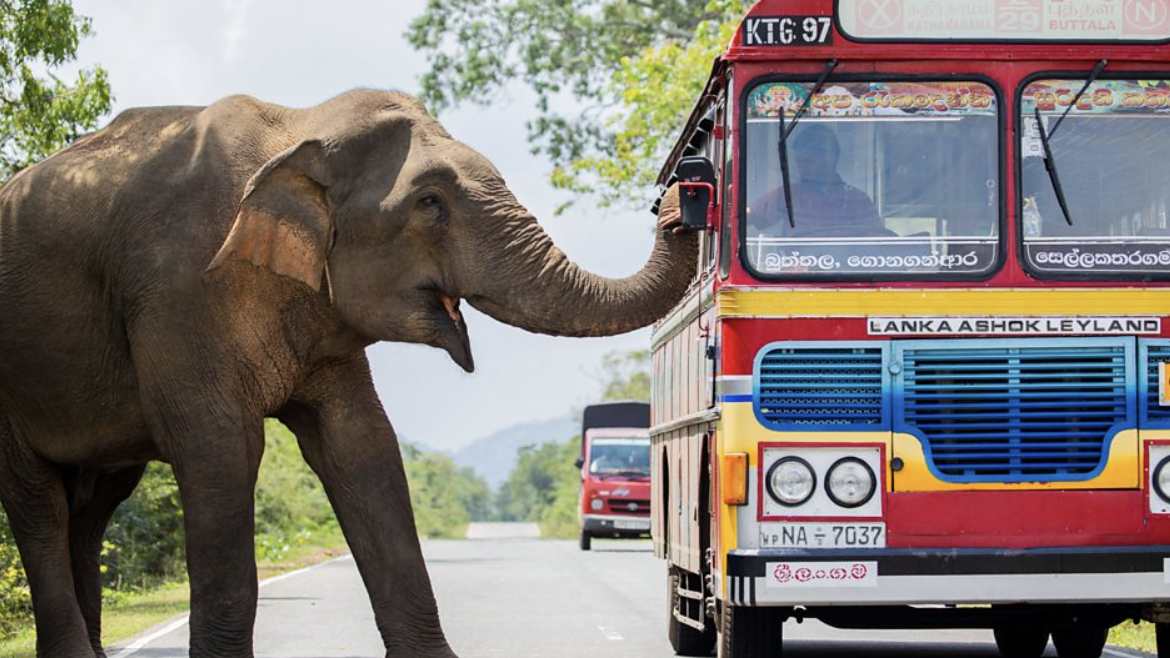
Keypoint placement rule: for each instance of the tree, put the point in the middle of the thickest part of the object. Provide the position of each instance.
(626, 375)
(630, 72)
(444, 496)
(40, 112)
(543, 486)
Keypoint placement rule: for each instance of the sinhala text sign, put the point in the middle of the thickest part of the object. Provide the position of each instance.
(1007, 20)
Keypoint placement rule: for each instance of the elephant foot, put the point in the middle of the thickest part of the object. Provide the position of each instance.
(68, 652)
(438, 652)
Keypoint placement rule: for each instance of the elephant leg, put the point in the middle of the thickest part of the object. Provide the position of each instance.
(87, 528)
(216, 475)
(200, 406)
(33, 493)
(348, 441)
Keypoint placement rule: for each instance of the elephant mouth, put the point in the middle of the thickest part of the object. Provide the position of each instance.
(452, 329)
(452, 305)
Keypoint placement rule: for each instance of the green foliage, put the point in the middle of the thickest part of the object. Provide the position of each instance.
(15, 602)
(445, 497)
(291, 506)
(544, 487)
(39, 112)
(629, 71)
(626, 375)
(144, 541)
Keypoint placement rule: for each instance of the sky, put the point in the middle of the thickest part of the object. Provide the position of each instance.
(300, 53)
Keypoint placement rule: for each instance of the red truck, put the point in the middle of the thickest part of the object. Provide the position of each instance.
(615, 472)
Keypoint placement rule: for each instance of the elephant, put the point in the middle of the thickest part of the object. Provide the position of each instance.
(171, 280)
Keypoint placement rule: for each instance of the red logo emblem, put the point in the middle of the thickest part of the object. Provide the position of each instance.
(879, 16)
(1146, 17)
(786, 573)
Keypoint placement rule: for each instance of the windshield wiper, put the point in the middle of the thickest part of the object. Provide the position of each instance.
(782, 145)
(1046, 136)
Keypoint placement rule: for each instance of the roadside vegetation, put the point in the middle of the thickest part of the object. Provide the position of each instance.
(613, 80)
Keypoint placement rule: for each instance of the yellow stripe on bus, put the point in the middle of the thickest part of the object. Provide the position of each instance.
(740, 431)
(815, 302)
(1122, 471)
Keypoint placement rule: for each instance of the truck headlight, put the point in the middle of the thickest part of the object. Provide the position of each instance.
(1162, 480)
(596, 504)
(850, 482)
(791, 481)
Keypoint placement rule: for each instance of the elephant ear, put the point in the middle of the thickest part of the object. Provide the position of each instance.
(284, 223)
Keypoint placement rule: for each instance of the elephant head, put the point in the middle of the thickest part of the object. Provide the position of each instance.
(376, 206)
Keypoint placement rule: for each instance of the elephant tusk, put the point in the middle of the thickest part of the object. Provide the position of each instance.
(452, 306)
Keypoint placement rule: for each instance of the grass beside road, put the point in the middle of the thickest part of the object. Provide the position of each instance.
(1130, 636)
(127, 614)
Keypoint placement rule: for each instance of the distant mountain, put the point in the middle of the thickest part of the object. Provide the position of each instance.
(494, 455)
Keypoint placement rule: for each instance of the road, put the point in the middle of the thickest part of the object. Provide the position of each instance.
(508, 595)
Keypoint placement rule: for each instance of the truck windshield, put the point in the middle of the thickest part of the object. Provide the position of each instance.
(619, 456)
(887, 179)
(1117, 194)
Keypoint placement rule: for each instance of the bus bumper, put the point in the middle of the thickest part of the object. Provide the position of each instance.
(616, 526)
(775, 577)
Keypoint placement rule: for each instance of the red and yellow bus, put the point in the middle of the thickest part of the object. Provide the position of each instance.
(920, 380)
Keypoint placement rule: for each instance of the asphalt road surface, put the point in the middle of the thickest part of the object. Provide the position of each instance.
(507, 594)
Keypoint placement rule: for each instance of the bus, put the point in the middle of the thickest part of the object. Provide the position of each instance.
(921, 380)
(615, 472)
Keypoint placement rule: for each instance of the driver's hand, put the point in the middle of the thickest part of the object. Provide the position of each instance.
(669, 214)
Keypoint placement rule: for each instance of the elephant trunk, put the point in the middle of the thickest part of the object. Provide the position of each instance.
(539, 289)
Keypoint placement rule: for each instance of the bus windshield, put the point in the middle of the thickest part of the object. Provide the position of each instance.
(619, 456)
(888, 179)
(1106, 152)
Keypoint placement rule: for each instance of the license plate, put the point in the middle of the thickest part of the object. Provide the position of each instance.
(822, 535)
(631, 525)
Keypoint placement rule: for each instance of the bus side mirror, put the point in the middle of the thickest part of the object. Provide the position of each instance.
(579, 462)
(696, 176)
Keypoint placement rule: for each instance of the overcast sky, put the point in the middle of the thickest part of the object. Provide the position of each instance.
(300, 53)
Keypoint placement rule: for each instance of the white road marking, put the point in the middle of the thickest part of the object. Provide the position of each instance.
(609, 635)
(277, 579)
(1122, 653)
(140, 644)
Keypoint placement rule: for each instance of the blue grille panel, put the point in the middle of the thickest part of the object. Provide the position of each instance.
(822, 386)
(994, 411)
(1155, 413)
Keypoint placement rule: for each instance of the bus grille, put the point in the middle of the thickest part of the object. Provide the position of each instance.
(833, 387)
(1156, 413)
(1010, 414)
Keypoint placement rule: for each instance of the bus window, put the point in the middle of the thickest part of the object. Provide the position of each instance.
(1107, 153)
(715, 148)
(888, 179)
(727, 181)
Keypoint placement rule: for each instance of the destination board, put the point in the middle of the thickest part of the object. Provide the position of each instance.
(1006, 20)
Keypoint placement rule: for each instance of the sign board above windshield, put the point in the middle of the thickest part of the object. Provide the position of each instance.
(1006, 20)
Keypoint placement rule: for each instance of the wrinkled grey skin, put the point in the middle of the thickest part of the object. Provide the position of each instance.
(168, 282)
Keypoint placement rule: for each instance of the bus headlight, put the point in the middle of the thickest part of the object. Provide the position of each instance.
(851, 482)
(596, 504)
(791, 481)
(1162, 480)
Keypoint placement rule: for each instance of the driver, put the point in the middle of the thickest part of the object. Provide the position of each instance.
(822, 203)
